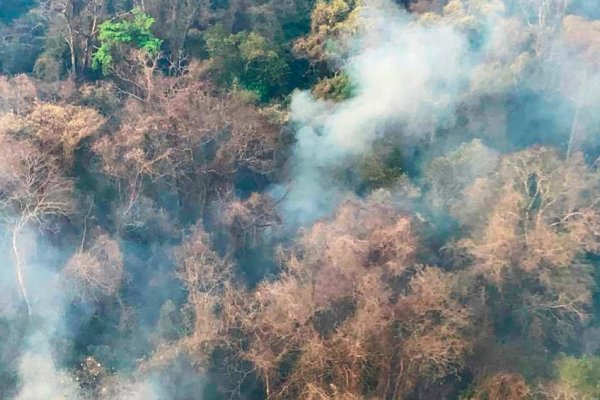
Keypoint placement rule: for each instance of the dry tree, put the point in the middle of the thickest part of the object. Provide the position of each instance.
(32, 194)
(350, 314)
(97, 271)
(530, 224)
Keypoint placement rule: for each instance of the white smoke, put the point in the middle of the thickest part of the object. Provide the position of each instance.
(411, 76)
(405, 75)
(40, 375)
(41, 379)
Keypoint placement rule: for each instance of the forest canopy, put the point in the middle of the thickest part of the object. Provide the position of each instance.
(299, 199)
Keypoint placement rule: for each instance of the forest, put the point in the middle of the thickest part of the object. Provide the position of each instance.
(300, 199)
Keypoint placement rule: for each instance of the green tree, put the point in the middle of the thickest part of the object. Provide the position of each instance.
(337, 88)
(134, 32)
(582, 374)
(247, 59)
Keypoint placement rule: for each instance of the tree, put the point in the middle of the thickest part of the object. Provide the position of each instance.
(76, 23)
(330, 21)
(173, 21)
(14, 9)
(61, 128)
(578, 376)
(471, 14)
(500, 386)
(135, 32)
(447, 177)
(247, 220)
(189, 140)
(543, 17)
(531, 242)
(248, 59)
(206, 276)
(17, 95)
(21, 42)
(337, 88)
(96, 271)
(32, 193)
(338, 319)
(130, 52)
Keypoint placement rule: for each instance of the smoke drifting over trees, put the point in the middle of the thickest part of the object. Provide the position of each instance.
(299, 199)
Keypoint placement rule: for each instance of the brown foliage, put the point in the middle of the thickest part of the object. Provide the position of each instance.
(532, 220)
(17, 95)
(502, 386)
(187, 138)
(246, 220)
(206, 276)
(31, 186)
(544, 213)
(337, 312)
(362, 236)
(60, 129)
(97, 271)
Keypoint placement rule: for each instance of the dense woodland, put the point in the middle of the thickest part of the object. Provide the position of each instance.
(299, 199)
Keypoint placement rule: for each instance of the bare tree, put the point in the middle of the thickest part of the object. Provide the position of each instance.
(17, 94)
(32, 193)
(206, 277)
(77, 22)
(174, 18)
(96, 271)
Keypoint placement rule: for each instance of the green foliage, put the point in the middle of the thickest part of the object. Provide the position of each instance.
(331, 21)
(247, 59)
(337, 88)
(135, 32)
(582, 374)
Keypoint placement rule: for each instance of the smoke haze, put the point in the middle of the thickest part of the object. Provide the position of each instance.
(451, 92)
(413, 78)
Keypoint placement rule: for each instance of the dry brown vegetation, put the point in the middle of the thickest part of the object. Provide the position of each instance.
(456, 260)
(351, 312)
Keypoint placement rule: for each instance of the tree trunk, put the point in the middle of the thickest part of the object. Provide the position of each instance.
(575, 125)
(86, 52)
(19, 267)
(572, 136)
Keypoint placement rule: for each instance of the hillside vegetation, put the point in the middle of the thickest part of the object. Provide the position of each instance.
(300, 199)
